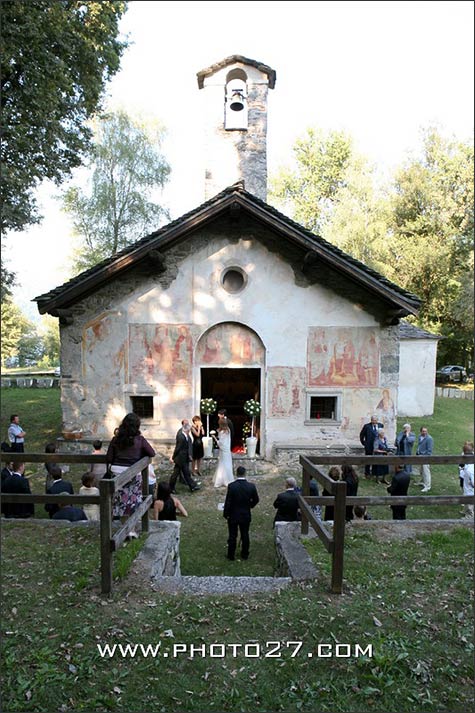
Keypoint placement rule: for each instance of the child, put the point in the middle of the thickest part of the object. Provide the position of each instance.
(98, 470)
(87, 488)
(361, 513)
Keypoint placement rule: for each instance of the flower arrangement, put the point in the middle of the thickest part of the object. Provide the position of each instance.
(208, 406)
(253, 409)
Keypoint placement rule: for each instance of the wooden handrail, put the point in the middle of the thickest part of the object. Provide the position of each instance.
(53, 499)
(317, 525)
(52, 458)
(126, 476)
(387, 460)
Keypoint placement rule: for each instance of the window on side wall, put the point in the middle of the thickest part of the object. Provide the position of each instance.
(142, 406)
(323, 407)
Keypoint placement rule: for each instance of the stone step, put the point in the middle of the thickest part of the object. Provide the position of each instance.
(219, 585)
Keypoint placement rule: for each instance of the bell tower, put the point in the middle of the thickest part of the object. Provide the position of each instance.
(235, 97)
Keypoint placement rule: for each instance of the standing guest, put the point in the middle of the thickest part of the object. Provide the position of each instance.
(69, 512)
(222, 413)
(16, 435)
(468, 444)
(166, 506)
(399, 486)
(126, 448)
(350, 476)
(224, 471)
(197, 431)
(468, 479)
(88, 488)
(314, 492)
(49, 448)
(425, 446)
(17, 483)
(287, 503)
(241, 497)
(368, 435)
(334, 474)
(98, 470)
(404, 444)
(57, 487)
(7, 471)
(380, 448)
(182, 457)
(152, 480)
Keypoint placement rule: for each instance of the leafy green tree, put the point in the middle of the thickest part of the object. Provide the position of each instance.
(57, 56)
(127, 165)
(431, 242)
(49, 331)
(13, 325)
(308, 192)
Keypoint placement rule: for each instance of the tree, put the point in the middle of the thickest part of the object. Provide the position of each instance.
(431, 243)
(309, 191)
(13, 325)
(57, 56)
(49, 331)
(127, 164)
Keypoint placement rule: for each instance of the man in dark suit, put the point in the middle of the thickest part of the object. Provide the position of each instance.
(69, 512)
(241, 497)
(17, 483)
(287, 504)
(399, 486)
(368, 435)
(182, 457)
(58, 486)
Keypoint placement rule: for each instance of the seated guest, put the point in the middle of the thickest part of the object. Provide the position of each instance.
(314, 492)
(58, 486)
(287, 503)
(350, 476)
(88, 488)
(167, 505)
(69, 512)
(360, 513)
(16, 482)
(334, 474)
(49, 448)
(7, 470)
(399, 486)
(98, 470)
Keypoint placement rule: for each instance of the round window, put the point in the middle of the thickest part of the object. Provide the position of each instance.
(233, 279)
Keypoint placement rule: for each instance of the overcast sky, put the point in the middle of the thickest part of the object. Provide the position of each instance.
(380, 70)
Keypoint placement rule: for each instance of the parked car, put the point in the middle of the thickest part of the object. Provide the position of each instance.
(451, 373)
(57, 371)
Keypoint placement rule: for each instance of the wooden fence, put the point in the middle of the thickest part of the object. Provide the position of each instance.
(109, 541)
(334, 542)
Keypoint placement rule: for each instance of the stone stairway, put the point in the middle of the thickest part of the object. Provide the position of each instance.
(219, 585)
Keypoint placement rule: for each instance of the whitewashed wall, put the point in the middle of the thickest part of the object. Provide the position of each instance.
(417, 359)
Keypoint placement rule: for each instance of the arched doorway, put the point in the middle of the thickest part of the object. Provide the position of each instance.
(230, 361)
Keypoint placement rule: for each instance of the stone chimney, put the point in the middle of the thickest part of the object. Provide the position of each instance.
(236, 124)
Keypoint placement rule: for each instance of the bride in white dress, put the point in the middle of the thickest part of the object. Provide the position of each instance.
(224, 471)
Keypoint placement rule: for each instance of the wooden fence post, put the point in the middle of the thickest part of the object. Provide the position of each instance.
(106, 489)
(145, 527)
(339, 518)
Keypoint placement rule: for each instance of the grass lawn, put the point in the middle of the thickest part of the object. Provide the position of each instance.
(410, 600)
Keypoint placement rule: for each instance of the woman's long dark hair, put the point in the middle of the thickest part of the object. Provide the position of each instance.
(349, 471)
(128, 429)
(163, 491)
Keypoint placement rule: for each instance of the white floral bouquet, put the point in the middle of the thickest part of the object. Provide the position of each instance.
(208, 406)
(253, 409)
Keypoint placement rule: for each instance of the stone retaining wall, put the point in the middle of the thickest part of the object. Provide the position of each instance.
(22, 382)
(293, 559)
(448, 393)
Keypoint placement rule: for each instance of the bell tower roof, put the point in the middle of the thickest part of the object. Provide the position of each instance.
(233, 59)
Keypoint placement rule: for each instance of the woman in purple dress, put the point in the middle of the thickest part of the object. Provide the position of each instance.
(126, 448)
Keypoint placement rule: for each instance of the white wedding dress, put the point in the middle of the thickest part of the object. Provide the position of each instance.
(224, 471)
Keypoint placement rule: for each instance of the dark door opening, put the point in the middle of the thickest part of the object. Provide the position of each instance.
(231, 388)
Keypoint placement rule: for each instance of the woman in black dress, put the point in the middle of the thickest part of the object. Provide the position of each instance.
(334, 474)
(350, 476)
(166, 505)
(198, 432)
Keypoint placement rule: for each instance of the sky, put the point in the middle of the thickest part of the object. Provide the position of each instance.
(382, 71)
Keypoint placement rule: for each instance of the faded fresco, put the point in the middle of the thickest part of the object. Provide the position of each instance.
(104, 344)
(286, 389)
(160, 353)
(342, 356)
(230, 344)
(360, 404)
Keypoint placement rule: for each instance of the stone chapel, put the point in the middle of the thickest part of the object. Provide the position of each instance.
(234, 301)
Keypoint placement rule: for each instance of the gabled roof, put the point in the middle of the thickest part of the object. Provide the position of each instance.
(410, 331)
(233, 198)
(209, 71)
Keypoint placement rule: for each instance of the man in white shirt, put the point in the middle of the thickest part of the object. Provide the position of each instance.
(16, 435)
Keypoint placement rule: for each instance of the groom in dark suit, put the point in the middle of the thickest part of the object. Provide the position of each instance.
(182, 457)
(241, 497)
